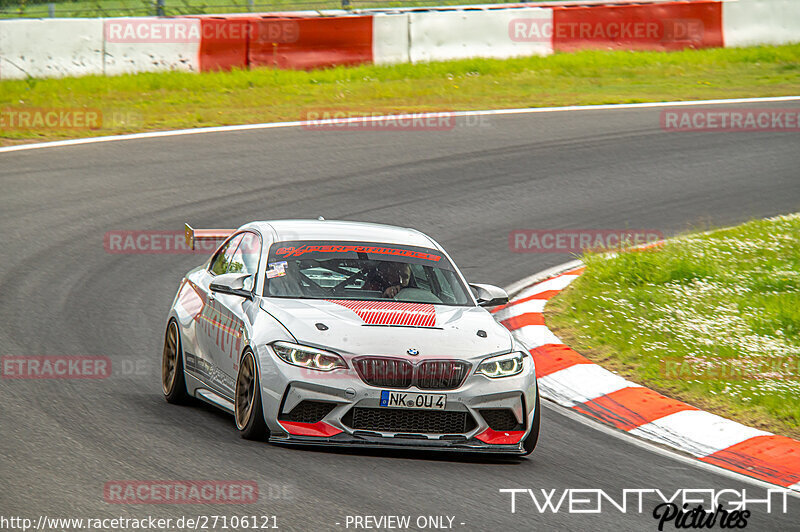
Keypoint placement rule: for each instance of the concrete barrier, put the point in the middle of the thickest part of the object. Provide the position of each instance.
(305, 40)
(755, 22)
(390, 39)
(444, 35)
(149, 44)
(50, 48)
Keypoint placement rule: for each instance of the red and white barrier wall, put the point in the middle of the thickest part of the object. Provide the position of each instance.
(305, 40)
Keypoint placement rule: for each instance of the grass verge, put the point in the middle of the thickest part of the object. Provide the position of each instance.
(170, 100)
(711, 319)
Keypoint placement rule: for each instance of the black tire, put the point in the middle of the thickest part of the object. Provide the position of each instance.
(529, 443)
(248, 412)
(173, 380)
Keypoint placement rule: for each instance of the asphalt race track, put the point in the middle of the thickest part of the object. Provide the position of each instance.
(61, 293)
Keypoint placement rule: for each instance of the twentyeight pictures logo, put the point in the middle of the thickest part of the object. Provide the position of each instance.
(635, 500)
(680, 509)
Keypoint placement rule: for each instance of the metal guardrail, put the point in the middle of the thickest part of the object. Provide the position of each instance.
(121, 8)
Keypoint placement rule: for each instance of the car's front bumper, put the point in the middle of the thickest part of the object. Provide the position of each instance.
(283, 387)
(345, 440)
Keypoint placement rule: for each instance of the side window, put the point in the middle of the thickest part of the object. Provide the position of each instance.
(447, 283)
(245, 258)
(219, 264)
(421, 277)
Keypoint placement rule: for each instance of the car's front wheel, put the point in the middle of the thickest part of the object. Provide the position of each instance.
(529, 443)
(173, 381)
(247, 401)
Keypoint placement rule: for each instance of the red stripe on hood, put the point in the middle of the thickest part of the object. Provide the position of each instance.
(391, 312)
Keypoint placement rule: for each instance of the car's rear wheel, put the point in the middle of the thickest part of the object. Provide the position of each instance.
(247, 401)
(173, 381)
(529, 443)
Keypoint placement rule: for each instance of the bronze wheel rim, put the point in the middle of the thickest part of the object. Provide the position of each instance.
(245, 391)
(169, 362)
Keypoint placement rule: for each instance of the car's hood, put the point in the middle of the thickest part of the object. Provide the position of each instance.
(390, 328)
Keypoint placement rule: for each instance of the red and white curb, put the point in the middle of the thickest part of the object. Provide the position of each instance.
(571, 380)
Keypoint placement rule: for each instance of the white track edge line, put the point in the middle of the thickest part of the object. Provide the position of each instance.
(315, 123)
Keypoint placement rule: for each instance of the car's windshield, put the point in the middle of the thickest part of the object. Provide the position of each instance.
(363, 271)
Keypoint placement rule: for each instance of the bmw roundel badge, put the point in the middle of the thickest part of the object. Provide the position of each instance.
(413, 352)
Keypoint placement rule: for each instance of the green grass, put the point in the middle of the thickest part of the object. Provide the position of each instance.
(157, 101)
(710, 318)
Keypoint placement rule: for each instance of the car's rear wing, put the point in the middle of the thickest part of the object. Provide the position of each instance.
(195, 235)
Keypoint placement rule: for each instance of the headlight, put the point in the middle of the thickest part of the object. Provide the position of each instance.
(308, 357)
(502, 365)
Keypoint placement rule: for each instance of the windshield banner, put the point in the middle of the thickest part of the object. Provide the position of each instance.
(320, 250)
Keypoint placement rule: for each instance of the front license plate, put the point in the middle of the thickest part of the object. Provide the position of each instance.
(423, 401)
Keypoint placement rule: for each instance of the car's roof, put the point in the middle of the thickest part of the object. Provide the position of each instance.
(294, 230)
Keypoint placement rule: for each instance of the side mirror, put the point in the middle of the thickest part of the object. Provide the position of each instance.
(235, 284)
(488, 295)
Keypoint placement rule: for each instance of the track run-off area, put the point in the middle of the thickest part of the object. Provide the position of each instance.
(64, 292)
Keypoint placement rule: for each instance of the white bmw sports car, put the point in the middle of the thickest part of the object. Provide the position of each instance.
(344, 333)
